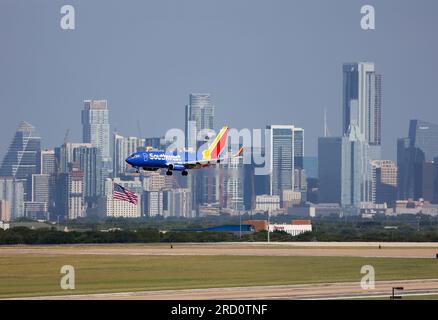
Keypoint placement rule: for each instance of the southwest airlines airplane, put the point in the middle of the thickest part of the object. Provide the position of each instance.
(152, 160)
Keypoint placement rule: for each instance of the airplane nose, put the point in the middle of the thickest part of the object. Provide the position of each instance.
(128, 160)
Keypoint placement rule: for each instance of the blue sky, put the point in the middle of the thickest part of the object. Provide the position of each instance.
(264, 62)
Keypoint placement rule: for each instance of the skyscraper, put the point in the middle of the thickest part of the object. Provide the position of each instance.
(344, 169)
(234, 185)
(362, 103)
(122, 148)
(178, 203)
(286, 152)
(332, 155)
(47, 166)
(70, 193)
(96, 129)
(199, 115)
(90, 163)
(199, 126)
(20, 161)
(413, 152)
(5, 212)
(384, 182)
(46, 162)
(89, 160)
(12, 191)
(65, 155)
(41, 188)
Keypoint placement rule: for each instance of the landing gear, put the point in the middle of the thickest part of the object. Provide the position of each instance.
(185, 172)
(168, 173)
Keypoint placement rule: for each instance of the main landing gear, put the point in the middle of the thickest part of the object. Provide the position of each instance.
(184, 172)
(168, 173)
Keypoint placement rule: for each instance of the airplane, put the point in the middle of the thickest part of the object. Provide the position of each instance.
(153, 160)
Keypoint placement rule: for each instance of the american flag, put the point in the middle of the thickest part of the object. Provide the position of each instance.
(123, 194)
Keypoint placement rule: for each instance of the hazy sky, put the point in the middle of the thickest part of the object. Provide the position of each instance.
(263, 61)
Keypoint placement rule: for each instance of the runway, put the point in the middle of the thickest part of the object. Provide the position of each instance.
(308, 249)
(348, 290)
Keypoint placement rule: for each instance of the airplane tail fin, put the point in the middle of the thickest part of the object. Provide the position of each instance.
(217, 146)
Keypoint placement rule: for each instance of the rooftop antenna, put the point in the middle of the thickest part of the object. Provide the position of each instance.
(67, 132)
(326, 130)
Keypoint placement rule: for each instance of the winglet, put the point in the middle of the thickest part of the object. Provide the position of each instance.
(240, 152)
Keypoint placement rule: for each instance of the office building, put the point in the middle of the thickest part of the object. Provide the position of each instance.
(41, 188)
(95, 125)
(5, 212)
(90, 163)
(311, 167)
(36, 210)
(65, 155)
(178, 203)
(267, 203)
(384, 182)
(332, 154)
(300, 183)
(122, 148)
(199, 129)
(46, 162)
(199, 115)
(291, 198)
(70, 194)
(344, 169)
(362, 103)
(42, 197)
(154, 181)
(152, 203)
(12, 191)
(234, 185)
(286, 153)
(20, 161)
(96, 131)
(153, 142)
(413, 153)
(120, 209)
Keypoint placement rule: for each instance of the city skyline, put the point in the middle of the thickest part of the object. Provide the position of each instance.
(275, 65)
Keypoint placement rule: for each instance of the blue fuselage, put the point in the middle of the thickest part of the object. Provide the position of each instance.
(160, 159)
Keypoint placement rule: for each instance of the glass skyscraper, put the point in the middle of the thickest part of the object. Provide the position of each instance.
(199, 122)
(12, 193)
(90, 163)
(199, 116)
(362, 103)
(96, 128)
(21, 159)
(344, 169)
(122, 148)
(286, 153)
(413, 152)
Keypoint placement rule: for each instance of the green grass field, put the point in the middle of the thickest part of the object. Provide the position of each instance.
(36, 275)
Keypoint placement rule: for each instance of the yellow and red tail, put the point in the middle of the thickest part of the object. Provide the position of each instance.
(217, 146)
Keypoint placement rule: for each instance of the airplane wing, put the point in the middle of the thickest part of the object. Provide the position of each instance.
(197, 164)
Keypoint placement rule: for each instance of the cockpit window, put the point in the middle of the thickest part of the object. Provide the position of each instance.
(134, 155)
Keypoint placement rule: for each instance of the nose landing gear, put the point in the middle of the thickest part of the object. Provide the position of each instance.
(185, 173)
